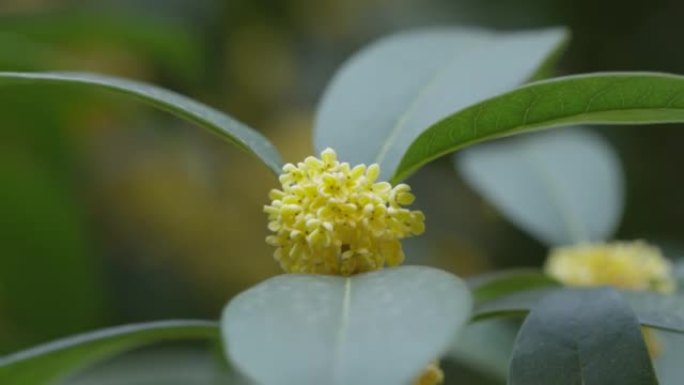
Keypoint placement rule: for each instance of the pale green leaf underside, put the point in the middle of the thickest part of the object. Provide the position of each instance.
(603, 98)
(386, 94)
(46, 363)
(188, 109)
(562, 186)
(375, 328)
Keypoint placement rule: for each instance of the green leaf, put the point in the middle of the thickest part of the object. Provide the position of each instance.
(486, 287)
(678, 270)
(581, 336)
(562, 187)
(658, 311)
(381, 327)
(603, 98)
(385, 95)
(486, 347)
(668, 363)
(514, 304)
(164, 365)
(226, 127)
(46, 363)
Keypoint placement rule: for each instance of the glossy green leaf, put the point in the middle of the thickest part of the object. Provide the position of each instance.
(658, 311)
(497, 284)
(217, 122)
(602, 98)
(385, 95)
(562, 187)
(515, 304)
(381, 327)
(581, 336)
(49, 362)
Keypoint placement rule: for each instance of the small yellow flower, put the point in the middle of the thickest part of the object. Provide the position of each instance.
(330, 218)
(627, 265)
(431, 375)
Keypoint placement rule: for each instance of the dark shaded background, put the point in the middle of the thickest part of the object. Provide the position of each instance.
(111, 212)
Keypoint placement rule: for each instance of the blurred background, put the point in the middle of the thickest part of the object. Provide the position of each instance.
(111, 212)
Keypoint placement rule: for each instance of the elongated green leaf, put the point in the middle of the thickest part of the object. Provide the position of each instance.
(384, 96)
(514, 304)
(48, 362)
(581, 336)
(226, 127)
(498, 284)
(375, 328)
(165, 365)
(562, 187)
(658, 311)
(603, 98)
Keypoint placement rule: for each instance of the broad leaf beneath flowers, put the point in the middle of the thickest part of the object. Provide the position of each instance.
(381, 327)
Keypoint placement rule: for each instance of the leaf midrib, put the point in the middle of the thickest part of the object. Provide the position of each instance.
(340, 342)
(420, 95)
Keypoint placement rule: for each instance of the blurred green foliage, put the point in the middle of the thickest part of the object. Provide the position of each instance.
(49, 274)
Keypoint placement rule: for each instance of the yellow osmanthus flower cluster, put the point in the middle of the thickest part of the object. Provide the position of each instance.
(628, 265)
(330, 218)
